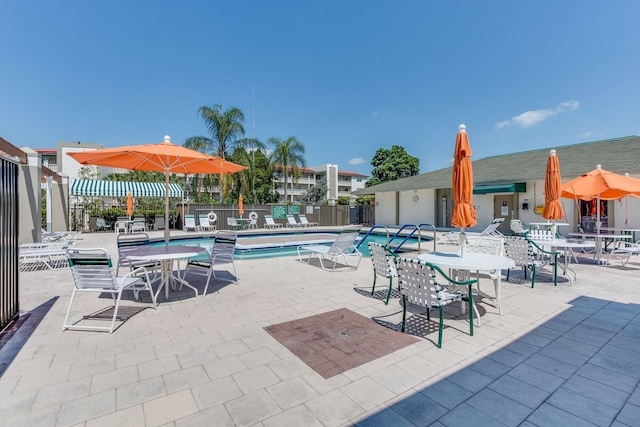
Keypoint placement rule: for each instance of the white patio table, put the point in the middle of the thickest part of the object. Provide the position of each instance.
(567, 245)
(471, 261)
(599, 239)
(166, 255)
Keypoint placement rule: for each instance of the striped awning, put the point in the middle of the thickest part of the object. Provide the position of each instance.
(91, 187)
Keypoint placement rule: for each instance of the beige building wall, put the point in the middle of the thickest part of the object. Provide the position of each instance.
(29, 197)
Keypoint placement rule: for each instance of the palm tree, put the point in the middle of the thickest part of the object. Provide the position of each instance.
(289, 154)
(225, 128)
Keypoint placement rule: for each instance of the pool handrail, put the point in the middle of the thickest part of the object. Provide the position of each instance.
(414, 227)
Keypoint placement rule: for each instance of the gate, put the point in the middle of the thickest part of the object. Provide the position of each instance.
(9, 306)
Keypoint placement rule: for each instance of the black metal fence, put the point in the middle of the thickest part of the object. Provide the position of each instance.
(9, 272)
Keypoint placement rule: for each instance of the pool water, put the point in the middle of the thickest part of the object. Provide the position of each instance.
(268, 246)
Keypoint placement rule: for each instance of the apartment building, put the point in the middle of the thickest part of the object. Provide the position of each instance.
(339, 183)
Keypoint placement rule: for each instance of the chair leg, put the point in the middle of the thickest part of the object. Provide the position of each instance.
(65, 324)
(404, 312)
(373, 287)
(440, 327)
(115, 311)
(533, 275)
(389, 292)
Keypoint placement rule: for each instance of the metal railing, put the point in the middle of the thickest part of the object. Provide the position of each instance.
(9, 249)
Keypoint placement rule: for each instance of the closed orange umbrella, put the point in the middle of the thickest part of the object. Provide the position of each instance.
(464, 213)
(552, 206)
(240, 205)
(159, 157)
(129, 205)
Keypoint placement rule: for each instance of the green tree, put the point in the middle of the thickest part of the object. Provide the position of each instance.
(288, 154)
(225, 128)
(316, 194)
(390, 165)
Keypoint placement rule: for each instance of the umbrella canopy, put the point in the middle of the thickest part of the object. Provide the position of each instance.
(464, 213)
(600, 184)
(129, 205)
(552, 206)
(240, 205)
(159, 157)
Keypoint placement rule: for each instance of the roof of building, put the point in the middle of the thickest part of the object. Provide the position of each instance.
(618, 155)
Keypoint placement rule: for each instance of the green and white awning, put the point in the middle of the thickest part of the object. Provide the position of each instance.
(91, 187)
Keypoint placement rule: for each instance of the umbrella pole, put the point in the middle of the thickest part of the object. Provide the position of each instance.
(166, 208)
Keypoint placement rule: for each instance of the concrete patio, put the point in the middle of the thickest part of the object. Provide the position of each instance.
(565, 355)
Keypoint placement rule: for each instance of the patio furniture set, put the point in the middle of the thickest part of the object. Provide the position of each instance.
(146, 265)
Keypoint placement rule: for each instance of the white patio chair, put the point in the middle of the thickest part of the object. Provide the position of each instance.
(453, 237)
(270, 223)
(623, 250)
(343, 248)
(291, 222)
(34, 256)
(305, 222)
(419, 286)
(528, 255)
(125, 244)
(121, 226)
(190, 223)
(233, 223)
(222, 252)
(101, 225)
(92, 272)
(487, 245)
(383, 265)
(204, 223)
(158, 222)
(138, 225)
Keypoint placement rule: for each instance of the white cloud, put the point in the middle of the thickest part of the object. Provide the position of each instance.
(357, 161)
(587, 134)
(533, 117)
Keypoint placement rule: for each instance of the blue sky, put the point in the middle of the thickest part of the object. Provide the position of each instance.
(344, 77)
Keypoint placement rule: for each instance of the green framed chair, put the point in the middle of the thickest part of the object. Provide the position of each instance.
(528, 255)
(384, 265)
(419, 286)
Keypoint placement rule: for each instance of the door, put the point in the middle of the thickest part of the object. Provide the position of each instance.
(505, 206)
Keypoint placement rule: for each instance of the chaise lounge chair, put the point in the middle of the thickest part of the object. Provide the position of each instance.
(305, 222)
(270, 223)
(453, 237)
(292, 223)
(343, 248)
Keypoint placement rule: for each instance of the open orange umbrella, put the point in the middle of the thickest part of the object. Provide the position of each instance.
(240, 206)
(129, 205)
(600, 184)
(159, 157)
(464, 213)
(552, 206)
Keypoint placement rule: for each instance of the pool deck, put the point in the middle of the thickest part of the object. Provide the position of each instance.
(565, 355)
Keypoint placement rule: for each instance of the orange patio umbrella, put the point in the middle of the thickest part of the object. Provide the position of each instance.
(240, 206)
(159, 157)
(464, 213)
(129, 205)
(552, 206)
(600, 184)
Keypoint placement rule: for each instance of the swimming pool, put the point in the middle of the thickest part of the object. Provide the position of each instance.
(269, 245)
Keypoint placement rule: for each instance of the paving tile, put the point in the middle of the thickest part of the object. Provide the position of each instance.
(583, 407)
(216, 392)
(59, 393)
(367, 393)
(299, 416)
(551, 365)
(597, 391)
(582, 348)
(154, 368)
(133, 415)
(490, 367)
(253, 408)
(507, 357)
(185, 378)
(629, 415)
(395, 379)
(114, 379)
(206, 417)
(383, 418)
(536, 377)
(333, 408)
(520, 391)
(465, 415)
(625, 367)
(139, 392)
(549, 415)
(504, 409)
(220, 368)
(605, 376)
(292, 393)
(419, 409)
(446, 393)
(289, 368)
(169, 408)
(255, 379)
(470, 380)
(93, 406)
